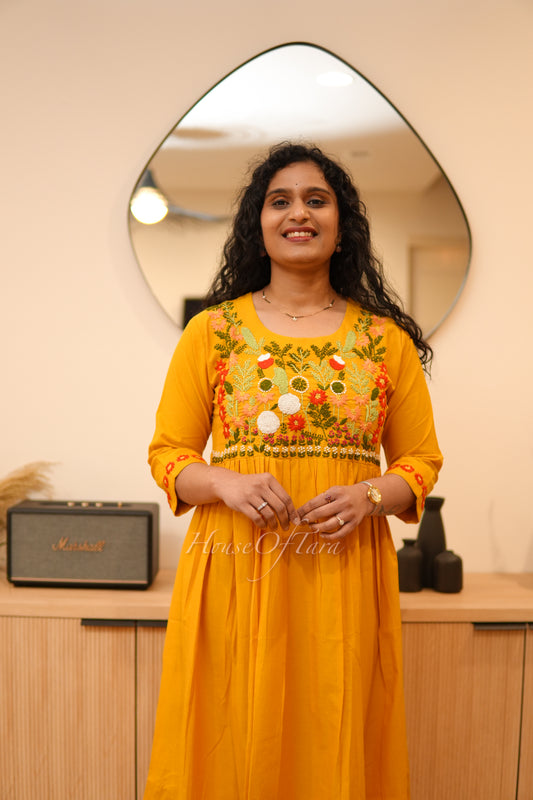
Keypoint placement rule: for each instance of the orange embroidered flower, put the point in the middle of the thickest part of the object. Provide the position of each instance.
(296, 422)
(226, 430)
(183, 457)
(169, 467)
(419, 479)
(317, 397)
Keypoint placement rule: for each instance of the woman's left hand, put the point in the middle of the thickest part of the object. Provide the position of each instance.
(338, 511)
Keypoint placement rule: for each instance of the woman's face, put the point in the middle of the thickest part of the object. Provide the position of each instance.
(300, 218)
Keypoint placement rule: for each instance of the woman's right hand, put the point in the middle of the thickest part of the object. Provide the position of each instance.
(199, 483)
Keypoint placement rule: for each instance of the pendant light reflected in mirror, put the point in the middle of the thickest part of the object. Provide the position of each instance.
(418, 225)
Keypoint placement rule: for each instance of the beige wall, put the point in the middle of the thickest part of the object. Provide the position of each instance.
(89, 90)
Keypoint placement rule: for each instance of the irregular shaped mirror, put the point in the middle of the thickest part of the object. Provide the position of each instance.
(298, 92)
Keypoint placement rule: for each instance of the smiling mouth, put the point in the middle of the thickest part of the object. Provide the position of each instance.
(299, 235)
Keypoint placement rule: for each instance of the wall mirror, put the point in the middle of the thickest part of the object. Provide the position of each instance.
(299, 92)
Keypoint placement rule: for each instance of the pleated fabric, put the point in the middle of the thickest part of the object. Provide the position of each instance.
(282, 674)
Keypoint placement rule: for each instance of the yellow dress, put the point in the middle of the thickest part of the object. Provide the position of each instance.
(282, 674)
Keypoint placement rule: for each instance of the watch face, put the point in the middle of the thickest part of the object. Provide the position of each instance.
(374, 494)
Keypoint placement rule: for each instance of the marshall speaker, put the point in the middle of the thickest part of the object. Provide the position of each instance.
(97, 545)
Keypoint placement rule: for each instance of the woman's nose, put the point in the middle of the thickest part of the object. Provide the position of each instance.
(299, 210)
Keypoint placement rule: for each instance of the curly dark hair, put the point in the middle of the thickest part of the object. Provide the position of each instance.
(355, 271)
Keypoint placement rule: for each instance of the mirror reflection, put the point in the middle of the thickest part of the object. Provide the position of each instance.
(298, 92)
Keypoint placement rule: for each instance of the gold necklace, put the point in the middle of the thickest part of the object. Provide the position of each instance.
(296, 317)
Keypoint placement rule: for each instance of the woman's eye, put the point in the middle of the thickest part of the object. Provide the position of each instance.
(316, 201)
(279, 202)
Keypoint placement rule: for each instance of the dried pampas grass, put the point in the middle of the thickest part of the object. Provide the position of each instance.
(20, 485)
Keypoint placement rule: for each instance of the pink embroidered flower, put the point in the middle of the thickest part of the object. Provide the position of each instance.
(169, 467)
(337, 400)
(369, 366)
(241, 397)
(233, 360)
(266, 398)
(317, 397)
(235, 334)
(362, 340)
(216, 320)
(296, 422)
(265, 360)
(336, 362)
(377, 328)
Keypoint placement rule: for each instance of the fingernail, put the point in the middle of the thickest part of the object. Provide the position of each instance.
(295, 520)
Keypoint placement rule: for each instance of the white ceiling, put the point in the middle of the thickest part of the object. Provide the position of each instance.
(278, 96)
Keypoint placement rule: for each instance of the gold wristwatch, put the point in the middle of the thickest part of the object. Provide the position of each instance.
(373, 493)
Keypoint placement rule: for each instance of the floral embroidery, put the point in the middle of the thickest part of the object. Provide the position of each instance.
(317, 397)
(169, 467)
(286, 400)
(265, 360)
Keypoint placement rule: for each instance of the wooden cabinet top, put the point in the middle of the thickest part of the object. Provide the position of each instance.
(485, 598)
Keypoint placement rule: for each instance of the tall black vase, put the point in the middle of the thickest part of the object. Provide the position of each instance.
(431, 538)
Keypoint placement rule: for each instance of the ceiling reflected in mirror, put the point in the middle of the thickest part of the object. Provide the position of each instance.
(301, 92)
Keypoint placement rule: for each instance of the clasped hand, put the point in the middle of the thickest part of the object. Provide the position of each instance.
(335, 513)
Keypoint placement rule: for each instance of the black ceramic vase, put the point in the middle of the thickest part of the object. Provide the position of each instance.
(431, 538)
(448, 572)
(410, 566)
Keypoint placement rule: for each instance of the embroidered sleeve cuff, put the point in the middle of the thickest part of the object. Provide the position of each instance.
(165, 471)
(419, 480)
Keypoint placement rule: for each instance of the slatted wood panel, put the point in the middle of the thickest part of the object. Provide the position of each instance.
(67, 694)
(150, 643)
(463, 694)
(525, 782)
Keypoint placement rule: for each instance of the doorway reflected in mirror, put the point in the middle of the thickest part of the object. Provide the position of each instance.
(419, 228)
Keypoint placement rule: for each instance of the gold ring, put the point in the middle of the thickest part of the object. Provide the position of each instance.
(339, 520)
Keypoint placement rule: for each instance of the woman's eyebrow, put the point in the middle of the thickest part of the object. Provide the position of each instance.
(310, 190)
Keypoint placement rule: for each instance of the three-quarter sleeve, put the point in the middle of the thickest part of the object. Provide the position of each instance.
(409, 438)
(183, 418)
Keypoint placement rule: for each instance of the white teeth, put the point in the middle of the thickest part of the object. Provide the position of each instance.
(300, 235)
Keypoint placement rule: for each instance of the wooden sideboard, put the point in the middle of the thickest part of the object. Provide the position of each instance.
(79, 678)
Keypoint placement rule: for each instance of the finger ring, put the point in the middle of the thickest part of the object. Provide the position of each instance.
(259, 508)
(339, 520)
(328, 498)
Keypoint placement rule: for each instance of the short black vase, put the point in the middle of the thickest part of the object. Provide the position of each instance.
(448, 572)
(410, 566)
(431, 538)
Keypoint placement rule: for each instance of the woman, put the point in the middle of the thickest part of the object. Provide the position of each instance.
(282, 666)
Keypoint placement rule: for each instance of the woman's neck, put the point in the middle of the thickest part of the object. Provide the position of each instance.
(300, 294)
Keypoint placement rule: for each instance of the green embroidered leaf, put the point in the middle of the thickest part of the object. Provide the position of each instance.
(281, 380)
(228, 387)
(349, 342)
(375, 394)
(250, 339)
